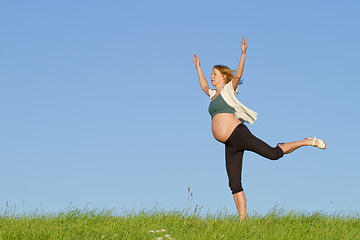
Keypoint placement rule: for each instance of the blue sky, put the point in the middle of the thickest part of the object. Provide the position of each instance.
(101, 104)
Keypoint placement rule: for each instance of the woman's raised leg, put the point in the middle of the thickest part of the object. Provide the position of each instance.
(258, 146)
(291, 146)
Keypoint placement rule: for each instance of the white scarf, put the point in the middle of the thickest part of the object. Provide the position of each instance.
(241, 111)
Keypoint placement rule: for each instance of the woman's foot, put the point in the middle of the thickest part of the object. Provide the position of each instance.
(316, 142)
(243, 218)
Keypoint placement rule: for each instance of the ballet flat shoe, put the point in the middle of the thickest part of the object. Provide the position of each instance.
(322, 144)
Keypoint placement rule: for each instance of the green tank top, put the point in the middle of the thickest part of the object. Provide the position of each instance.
(218, 105)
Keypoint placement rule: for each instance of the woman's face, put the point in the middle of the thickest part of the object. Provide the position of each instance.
(216, 77)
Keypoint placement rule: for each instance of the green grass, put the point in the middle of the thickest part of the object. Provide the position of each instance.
(74, 223)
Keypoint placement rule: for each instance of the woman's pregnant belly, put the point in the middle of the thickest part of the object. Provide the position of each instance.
(223, 124)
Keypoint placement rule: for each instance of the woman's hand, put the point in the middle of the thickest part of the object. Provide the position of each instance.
(196, 60)
(243, 45)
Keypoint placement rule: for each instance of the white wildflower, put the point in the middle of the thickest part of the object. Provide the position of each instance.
(167, 235)
(163, 230)
(159, 238)
(151, 231)
(157, 231)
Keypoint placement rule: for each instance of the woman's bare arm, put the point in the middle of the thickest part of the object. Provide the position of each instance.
(240, 69)
(203, 82)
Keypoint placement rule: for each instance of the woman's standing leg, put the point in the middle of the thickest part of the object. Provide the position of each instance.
(234, 158)
(240, 202)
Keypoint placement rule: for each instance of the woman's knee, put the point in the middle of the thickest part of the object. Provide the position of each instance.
(276, 153)
(235, 187)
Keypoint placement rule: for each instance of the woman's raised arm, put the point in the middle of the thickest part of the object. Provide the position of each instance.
(241, 64)
(203, 82)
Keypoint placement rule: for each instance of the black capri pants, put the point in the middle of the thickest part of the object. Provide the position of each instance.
(242, 139)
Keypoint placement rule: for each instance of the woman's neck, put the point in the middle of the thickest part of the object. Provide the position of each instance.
(219, 87)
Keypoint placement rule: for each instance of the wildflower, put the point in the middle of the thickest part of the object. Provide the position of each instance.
(151, 231)
(159, 238)
(167, 235)
(163, 230)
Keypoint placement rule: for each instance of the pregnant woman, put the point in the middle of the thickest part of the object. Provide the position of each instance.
(228, 115)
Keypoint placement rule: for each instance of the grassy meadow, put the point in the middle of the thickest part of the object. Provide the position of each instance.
(75, 223)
